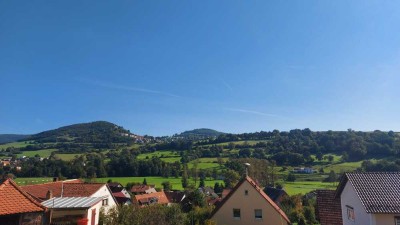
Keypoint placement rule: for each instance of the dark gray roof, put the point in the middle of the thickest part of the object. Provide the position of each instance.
(379, 192)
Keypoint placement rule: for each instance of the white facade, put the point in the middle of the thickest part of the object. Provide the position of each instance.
(105, 192)
(350, 199)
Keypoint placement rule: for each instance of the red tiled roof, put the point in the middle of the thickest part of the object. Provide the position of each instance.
(145, 198)
(68, 189)
(14, 200)
(259, 190)
(81, 190)
(328, 209)
(140, 188)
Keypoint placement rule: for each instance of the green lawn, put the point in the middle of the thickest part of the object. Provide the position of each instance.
(166, 156)
(206, 163)
(14, 144)
(176, 182)
(67, 157)
(43, 153)
(33, 180)
(303, 187)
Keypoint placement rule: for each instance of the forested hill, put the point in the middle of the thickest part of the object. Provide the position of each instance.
(94, 132)
(5, 138)
(197, 134)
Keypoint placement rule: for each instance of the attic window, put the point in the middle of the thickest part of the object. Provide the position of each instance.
(236, 213)
(246, 192)
(105, 202)
(350, 213)
(258, 214)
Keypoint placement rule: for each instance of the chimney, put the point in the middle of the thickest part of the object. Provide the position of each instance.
(49, 194)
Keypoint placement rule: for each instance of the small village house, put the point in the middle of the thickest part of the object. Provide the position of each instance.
(247, 204)
(370, 198)
(70, 201)
(17, 207)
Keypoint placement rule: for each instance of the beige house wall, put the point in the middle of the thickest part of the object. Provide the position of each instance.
(104, 192)
(350, 198)
(247, 204)
(384, 219)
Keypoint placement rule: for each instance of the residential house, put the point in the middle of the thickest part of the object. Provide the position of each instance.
(307, 170)
(72, 210)
(370, 198)
(152, 198)
(143, 189)
(61, 191)
(247, 204)
(17, 207)
(175, 196)
(328, 210)
(120, 193)
(276, 194)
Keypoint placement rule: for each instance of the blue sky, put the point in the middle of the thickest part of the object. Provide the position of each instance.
(163, 67)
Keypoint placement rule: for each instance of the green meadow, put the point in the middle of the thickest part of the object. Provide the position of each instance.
(176, 182)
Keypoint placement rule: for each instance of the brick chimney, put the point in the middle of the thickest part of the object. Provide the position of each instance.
(49, 194)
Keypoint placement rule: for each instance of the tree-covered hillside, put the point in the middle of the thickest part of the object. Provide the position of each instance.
(198, 134)
(94, 132)
(6, 138)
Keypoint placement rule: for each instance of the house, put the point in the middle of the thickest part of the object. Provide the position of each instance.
(306, 170)
(328, 210)
(152, 198)
(175, 196)
(120, 193)
(17, 207)
(72, 210)
(370, 198)
(61, 191)
(143, 189)
(247, 204)
(276, 194)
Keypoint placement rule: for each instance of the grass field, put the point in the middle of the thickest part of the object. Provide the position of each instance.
(176, 182)
(14, 144)
(302, 187)
(43, 153)
(166, 156)
(33, 180)
(67, 157)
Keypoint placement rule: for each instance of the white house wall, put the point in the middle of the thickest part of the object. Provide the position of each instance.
(349, 197)
(104, 191)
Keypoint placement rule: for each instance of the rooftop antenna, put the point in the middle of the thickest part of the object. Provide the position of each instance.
(247, 166)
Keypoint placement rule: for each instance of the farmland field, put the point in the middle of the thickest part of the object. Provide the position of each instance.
(303, 187)
(32, 180)
(43, 153)
(166, 156)
(176, 182)
(67, 157)
(14, 144)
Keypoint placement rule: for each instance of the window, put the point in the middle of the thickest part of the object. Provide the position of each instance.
(350, 213)
(258, 214)
(397, 221)
(105, 202)
(236, 213)
(246, 192)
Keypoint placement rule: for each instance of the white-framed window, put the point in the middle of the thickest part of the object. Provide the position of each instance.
(258, 214)
(105, 202)
(350, 213)
(397, 221)
(236, 213)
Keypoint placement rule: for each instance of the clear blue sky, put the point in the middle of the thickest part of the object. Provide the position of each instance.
(162, 67)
